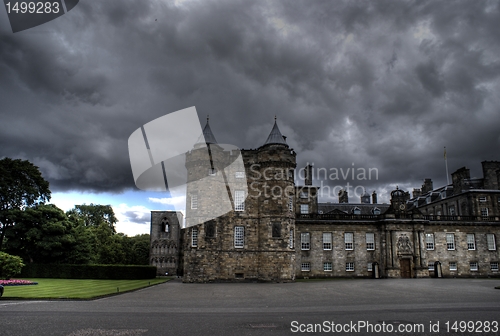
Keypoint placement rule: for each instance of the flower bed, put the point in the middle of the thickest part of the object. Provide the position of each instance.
(16, 282)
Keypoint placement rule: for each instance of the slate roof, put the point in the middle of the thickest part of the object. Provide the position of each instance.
(348, 208)
(207, 135)
(275, 137)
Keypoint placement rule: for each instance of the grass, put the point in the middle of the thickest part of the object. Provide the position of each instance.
(75, 289)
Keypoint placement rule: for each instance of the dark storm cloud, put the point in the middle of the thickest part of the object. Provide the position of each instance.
(383, 84)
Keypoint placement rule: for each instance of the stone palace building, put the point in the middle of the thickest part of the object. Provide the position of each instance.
(280, 236)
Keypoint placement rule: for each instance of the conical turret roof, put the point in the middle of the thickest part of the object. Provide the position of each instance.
(275, 137)
(208, 137)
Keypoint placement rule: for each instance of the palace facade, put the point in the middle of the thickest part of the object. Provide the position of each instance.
(274, 230)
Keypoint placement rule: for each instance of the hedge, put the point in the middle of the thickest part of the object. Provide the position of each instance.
(112, 272)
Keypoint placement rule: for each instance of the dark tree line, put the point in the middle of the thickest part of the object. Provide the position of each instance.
(43, 233)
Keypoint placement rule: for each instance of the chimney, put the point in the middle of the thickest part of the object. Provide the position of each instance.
(343, 196)
(427, 186)
(416, 192)
(374, 197)
(308, 180)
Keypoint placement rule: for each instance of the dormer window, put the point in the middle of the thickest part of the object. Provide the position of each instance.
(428, 199)
(356, 211)
(376, 211)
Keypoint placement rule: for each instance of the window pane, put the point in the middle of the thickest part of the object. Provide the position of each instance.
(370, 241)
(305, 267)
(450, 241)
(491, 242)
(453, 266)
(349, 240)
(349, 266)
(431, 266)
(305, 241)
(471, 242)
(194, 237)
(239, 236)
(327, 240)
(304, 208)
(429, 241)
(327, 266)
(473, 266)
(239, 200)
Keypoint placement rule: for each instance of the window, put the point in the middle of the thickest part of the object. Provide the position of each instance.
(290, 174)
(290, 203)
(305, 241)
(453, 266)
(165, 226)
(429, 241)
(327, 240)
(327, 266)
(473, 266)
(194, 201)
(349, 241)
(370, 241)
(194, 237)
(210, 229)
(369, 267)
(494, 266)
(490, 237)
(290, 240)
(431, 266)
(451, 210)
(239, 174)
(450, 241)
(376, 211)
(471, 242)
(484, 212)
(304, 208)
(239, 200)
(438, 213)
(305, 267)
(482, 199)
(349, 267)
(212, 172)
(303, 194)
(356, 211)
(239, 236)
(276, 230)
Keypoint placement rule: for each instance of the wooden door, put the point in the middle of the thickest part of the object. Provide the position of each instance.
(405, 266)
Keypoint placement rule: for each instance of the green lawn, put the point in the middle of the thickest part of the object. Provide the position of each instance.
(74, 289)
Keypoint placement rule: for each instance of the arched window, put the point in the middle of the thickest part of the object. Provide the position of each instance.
(165, 226)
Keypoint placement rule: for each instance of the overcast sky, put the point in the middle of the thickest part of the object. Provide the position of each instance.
(364, 84)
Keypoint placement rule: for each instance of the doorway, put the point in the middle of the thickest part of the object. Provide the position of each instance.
(405, 267)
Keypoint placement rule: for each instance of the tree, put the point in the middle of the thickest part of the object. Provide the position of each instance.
(21, 186)
(94, 215)
(99, 220)
(10, 265)
(42, 234)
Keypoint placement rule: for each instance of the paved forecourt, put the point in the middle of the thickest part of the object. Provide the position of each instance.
(362, 307)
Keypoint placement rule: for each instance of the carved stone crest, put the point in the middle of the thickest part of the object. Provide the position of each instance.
(404, 245)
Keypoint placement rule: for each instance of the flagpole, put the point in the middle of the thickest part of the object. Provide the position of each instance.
(446, 163)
